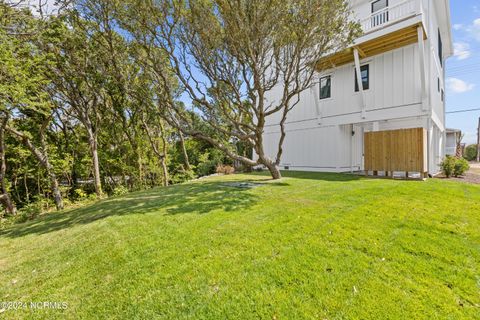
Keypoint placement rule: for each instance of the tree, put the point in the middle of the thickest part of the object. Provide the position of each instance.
(239, 62)
(78, 82)
(458, 145)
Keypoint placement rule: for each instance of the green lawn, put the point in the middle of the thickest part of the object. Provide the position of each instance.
(312, 246)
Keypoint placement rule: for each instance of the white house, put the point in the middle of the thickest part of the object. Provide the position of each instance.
(401, 58)
(451, 138)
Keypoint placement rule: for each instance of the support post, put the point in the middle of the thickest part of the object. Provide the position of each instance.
(359, 81)
(423, 77)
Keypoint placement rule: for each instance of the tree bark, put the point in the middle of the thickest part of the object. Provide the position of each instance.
(42, 157)
(162, 156)
(184, 150)
(273, 169)
(5, 197)
(96, 164)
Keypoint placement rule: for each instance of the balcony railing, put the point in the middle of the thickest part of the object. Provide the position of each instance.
(389, 15)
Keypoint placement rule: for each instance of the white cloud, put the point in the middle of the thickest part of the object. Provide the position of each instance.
(458, 86)
(461, 50)
(457, 26)
(474, 29)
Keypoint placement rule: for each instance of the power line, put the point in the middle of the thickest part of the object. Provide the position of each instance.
(462, 111)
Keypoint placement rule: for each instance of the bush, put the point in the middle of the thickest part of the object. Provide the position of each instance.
(452, 166)
(448, 166)
(461, 166)
(30, 211)
(471, 152)
(225, 169)
(35, 208)
(120, 190)
(181, 175)
(79, 194)
(206, 168)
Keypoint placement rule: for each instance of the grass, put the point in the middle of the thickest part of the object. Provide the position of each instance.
(323, 246)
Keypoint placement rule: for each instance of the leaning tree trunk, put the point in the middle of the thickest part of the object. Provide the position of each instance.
(184, 150)
(162, 156)
(273, 169)
(42, 157)
(96, 165)
(4, 197)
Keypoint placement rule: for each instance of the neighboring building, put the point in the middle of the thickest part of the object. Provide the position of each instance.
(452, 137)
(401, 58)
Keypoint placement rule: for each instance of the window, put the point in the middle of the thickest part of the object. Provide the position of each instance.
(325, 87)
(379, 5)
(443, 95)
(364, 71)
(438, 84)
(440, 48)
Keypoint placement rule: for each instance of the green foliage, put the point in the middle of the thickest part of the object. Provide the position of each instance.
(448, 166)
(120, 190)
(461, 167)
(471, 152)
(181, 175)
(453, 166)
(80, 194)
(35, 208)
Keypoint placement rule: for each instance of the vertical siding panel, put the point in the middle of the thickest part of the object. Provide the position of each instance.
(387, 72)
(397, 77)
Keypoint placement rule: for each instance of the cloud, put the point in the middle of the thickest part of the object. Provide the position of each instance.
(457, 26)
(458, 86)
(474, 29)
(461, 50)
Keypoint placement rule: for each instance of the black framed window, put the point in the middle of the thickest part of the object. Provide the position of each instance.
(440, 48)
(379, 5)
(325, 87)
(365, 73)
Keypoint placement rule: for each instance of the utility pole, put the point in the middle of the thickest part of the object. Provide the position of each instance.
(478, 141)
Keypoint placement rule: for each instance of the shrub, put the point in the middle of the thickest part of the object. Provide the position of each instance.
(448, 166)
(30, 211)
(471, 152)
(452, 166)
(120, 190)
(206, 168)
(181, 175)
(79, 194)
(225, 169)
(461, 166)
(35, 208)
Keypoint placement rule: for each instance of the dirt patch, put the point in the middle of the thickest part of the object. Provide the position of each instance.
(468, 178)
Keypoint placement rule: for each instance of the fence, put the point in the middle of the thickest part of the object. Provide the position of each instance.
(396, 150)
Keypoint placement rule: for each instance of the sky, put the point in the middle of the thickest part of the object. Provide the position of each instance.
(463, 69)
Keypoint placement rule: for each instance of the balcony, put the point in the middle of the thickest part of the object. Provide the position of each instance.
(390, 15)
(384, 30)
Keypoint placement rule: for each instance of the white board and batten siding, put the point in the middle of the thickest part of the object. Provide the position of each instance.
(394, 84)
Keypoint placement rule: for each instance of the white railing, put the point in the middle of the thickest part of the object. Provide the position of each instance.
(389, 15)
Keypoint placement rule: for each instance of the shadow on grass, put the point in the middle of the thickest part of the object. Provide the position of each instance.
(199, 198)
(325, 176)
